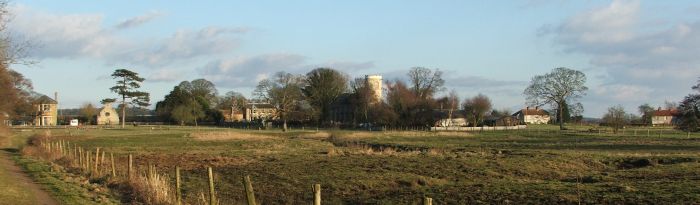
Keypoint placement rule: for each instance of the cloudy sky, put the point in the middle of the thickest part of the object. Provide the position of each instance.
(632, 52)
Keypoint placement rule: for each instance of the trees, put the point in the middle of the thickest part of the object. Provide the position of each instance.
(362, 99)
(425, 82)
(477, 107)
(189, 102)
(616, 117)
(15, 89)
(284, 92)
(127, 84)
(402, 101)
(647, 112)
(88, 111)
(560, 86)
(689, 111)
(322, 87)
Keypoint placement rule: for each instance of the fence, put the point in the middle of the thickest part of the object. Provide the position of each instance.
(154, 187)
(495, 128)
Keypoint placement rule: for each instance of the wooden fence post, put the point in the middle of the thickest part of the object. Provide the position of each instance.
(249, 193)
(178, 193)
(97, 161)
(427, 201)
(131, 162)
(111, 158)
(212, 198)
(317, 194)
(88, 168)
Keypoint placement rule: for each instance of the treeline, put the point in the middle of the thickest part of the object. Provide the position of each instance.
(329, 98)
(684, 115)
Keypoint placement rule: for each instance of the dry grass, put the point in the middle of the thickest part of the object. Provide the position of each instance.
(224, 136)
(316, 135)
(152, 188)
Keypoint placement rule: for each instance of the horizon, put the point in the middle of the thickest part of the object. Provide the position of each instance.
(632, 52)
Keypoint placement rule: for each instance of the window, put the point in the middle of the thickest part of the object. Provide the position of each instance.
(47, 107)
(107, 114)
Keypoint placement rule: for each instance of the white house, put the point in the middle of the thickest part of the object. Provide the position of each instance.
(108, 116)
(664, 117)
(532, 116)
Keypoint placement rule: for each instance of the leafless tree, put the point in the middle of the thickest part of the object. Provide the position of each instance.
(282, 91)
(425, 82)
(560, 86)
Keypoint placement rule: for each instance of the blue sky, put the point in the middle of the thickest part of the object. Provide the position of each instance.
(633, 52)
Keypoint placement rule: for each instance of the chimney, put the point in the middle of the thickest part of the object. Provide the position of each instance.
(55, 96)
(659, 108)
(527, 108)
(537, 107)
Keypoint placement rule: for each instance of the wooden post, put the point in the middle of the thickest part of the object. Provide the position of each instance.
(427, 201)
(97, 161)
(131, 162)
(249, 193)
(102, 161)
(80, 157)
(212, 198)
(317, 194)
(111, 158)
(178, 194)
(88, 168)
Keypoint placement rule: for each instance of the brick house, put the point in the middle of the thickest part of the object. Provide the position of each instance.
(532, 116)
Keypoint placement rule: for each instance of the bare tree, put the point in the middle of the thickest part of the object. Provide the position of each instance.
(477, 107)
(283, 91)
(15, 90)
(453, 100)
(616, 117)
(556, 88)
(425, 82)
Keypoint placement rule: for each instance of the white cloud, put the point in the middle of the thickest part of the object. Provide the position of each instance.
(644, 62)
(165, 75)
(247, 71)
(139, 20)
(85, 36)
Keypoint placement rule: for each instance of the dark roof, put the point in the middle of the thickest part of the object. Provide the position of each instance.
(260, 105)
(530, 111)
(43, 99)
(671, 112)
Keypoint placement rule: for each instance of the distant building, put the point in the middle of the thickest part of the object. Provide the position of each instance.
(664, 117)
(532, 116)
(375, 84)
(45, 111)
(255, 111)
(108, 115)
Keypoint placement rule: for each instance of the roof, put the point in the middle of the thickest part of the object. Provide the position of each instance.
(43, 99)
(528, 111)
(260, 105)
(670, 112)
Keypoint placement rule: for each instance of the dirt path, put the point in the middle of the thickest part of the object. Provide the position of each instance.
(20, 179)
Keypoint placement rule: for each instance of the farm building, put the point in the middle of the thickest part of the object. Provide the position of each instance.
(532, 116)
(45, 111)
(664, 117)
(255, 111)
(108, 115)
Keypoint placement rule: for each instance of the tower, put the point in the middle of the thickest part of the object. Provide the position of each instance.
(375, 83)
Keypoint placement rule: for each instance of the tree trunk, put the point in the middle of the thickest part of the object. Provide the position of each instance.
(123, 114)
(284, 125)
(561, 116)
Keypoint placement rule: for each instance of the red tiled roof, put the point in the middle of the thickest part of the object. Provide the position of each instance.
(672, 112)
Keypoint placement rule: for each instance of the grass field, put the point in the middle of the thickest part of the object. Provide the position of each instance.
(539, 165)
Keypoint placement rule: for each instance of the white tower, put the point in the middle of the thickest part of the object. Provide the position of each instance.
(375, 83)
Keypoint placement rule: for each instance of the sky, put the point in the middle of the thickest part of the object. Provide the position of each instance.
(632, 52)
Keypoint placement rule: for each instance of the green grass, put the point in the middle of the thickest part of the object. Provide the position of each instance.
(540, 165)
(66, 189)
